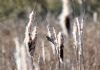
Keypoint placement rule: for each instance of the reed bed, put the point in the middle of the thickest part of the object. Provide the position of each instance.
(25, 52)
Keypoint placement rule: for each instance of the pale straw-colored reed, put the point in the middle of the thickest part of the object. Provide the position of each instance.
(24, 52)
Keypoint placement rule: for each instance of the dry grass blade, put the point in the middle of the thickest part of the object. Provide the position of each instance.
(60, 46)
(43, 51)
(23, 59)
(28, 28)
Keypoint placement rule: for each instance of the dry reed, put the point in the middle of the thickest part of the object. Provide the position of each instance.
(57, 43)
(77, 37)
(25, 51)
(22, 56)
(64, 16)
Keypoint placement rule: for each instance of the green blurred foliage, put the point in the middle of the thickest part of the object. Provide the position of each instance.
(75, 7)
(89, 6)
(11, 8)
(55, 6)
(95, 5)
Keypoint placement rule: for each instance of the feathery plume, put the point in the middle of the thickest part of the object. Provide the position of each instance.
(28, 28)
(52, 38)
(30, 37)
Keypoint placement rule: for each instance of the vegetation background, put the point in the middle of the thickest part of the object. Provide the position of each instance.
(14, 17)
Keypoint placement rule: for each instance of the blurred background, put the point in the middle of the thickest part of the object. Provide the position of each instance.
(14, 17)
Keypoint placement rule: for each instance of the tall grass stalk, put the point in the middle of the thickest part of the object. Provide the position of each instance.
(52, 37)
(57, 43)
(30, 35)
(77, 37)
(25, 51)
(66, 11)
(28, 28)
(22, 56)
